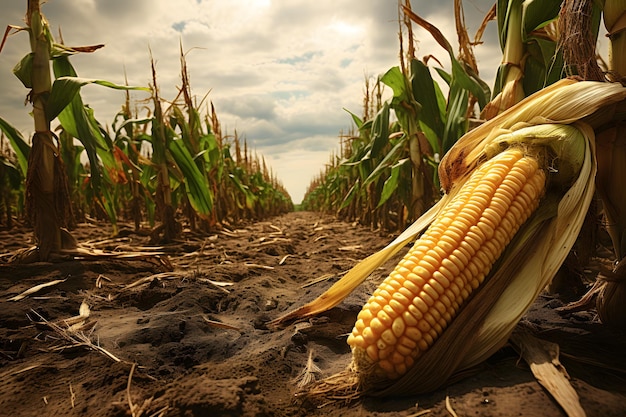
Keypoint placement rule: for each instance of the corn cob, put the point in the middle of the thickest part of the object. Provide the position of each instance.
(418, 300)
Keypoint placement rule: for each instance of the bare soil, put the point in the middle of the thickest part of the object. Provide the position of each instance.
(185, 333)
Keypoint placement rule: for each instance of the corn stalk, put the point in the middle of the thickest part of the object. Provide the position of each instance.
(46, 189)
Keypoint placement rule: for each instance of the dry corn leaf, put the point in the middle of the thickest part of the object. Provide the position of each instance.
(543, 358)
(35, 289)
(215, 323)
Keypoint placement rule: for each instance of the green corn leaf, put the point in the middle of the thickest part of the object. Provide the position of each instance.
(107, 201)
(537, 14)
(131, 122)
(389, 160)
(428, 94)
(19, 145)
(460, 74)
(391, 184)
(11, 173)
(352, 192)
(23, 70)
(356, 119)
(380, 130)
(394, 79)
(79, 121)
(64, 88)
(456, 122)
(196, 185)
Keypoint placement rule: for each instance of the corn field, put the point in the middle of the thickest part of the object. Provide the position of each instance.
(161, 168)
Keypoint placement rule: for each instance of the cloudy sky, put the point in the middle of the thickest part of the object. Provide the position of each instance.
(280, 72)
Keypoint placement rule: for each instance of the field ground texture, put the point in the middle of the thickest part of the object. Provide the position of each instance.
(185, 333)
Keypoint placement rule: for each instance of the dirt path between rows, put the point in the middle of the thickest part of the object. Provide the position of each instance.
(194, 341)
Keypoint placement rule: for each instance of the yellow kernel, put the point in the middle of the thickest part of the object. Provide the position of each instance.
(493, 248)
(366, 313)
(377, 326)
(451, 268)
(372, 352)
(357, 341)
(407, 294)
(414, 283)
(517, 210)
(394, 281)
(475, 284)
(473, 268)
(390, 312)
(445, 298)
(388, 337)
(422, 345)
(441, 252)
(398, 327)
(378, 297)
(430, 317)
(400, 298)
(423, 325)
(396, 306)
(384, 353)
(409, 319)
(386, 366)
(369, 336)
(403, 350)
(413, 333)
(429, 263)
(415, 311)
(375, 306)
(359, 325)
(422, 273)
(384, 294)
(440, 280)
(384, 318)
(409, 361)
(428, 339)
(484, 258)
(456, 290)
(473, 210)
(401, 368)
(400, 269)
(409, 264)
(460, 257)
(455, 233)
(446, 245)
(499, 206)
(429, 295)
(407, 342)
(464, 219)
(441, 308)
(467, 248)
(396, 358)
(381, 345)
(491, 220)
(473, 239)
(464, 293)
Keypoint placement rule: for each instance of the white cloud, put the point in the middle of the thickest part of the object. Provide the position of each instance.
(279, 71)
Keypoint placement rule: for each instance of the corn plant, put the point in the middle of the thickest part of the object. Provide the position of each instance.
(14, 161)
(531, 59)
(47, 196)
(11, 180)
(392, 166)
